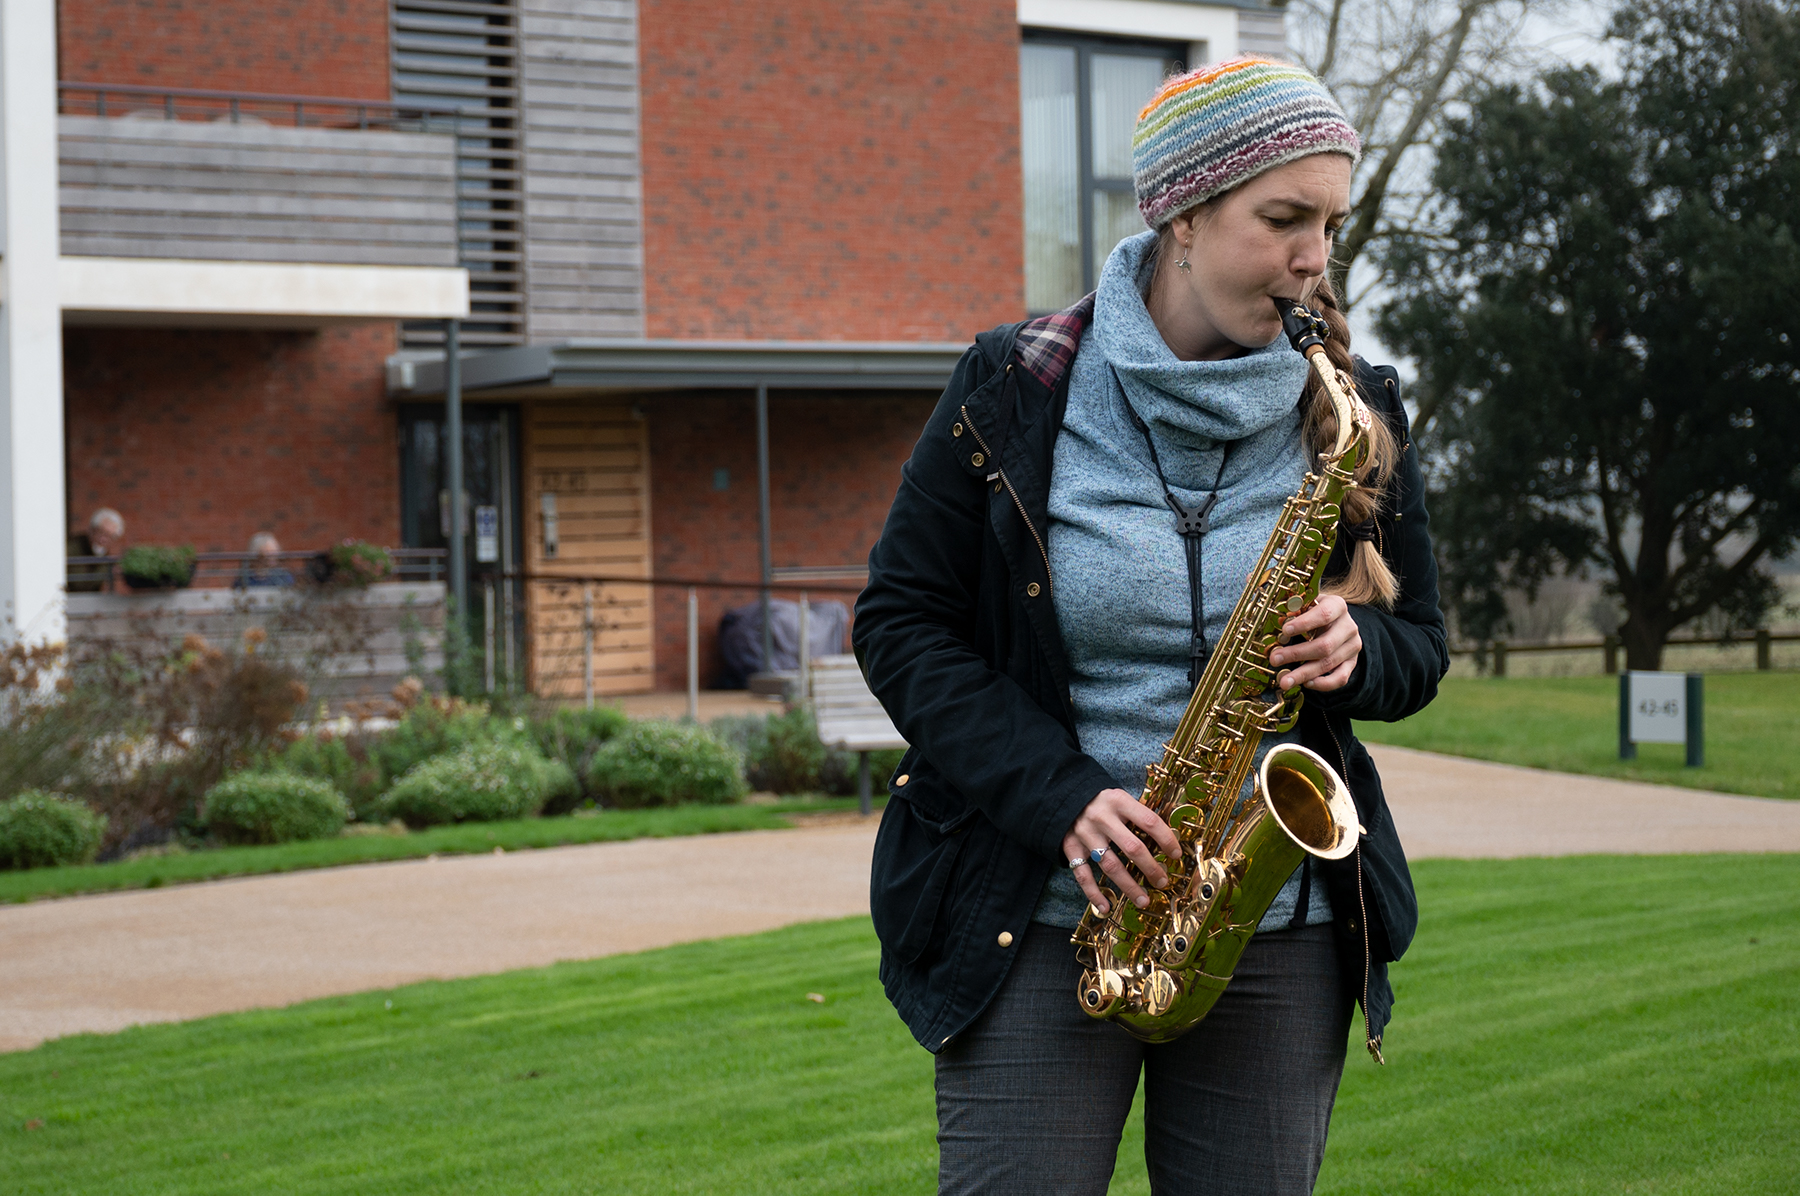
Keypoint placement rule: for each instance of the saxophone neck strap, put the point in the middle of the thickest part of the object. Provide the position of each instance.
(1191, 524)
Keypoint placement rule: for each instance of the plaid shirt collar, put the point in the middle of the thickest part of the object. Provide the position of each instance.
(1045, 347)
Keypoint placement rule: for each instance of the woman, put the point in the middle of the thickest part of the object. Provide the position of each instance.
(1032, 625)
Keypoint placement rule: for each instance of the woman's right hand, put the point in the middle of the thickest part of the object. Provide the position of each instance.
(1114, 820)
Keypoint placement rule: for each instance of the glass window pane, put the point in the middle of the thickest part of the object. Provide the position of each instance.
(1050, 156)
(1123, 84)
(1116, 217)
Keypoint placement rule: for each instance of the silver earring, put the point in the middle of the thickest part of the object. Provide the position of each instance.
(1182, 265)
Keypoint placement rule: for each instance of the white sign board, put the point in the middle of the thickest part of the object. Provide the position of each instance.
(487, 534)
(1658, 707)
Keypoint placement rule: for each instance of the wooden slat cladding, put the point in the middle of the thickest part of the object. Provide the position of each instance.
(215, 191)
(465, 54)
(583, 231)
(594, 456)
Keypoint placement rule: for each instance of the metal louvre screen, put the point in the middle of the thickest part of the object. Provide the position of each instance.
(464, 54)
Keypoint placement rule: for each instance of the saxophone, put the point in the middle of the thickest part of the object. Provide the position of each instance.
(1157, 971)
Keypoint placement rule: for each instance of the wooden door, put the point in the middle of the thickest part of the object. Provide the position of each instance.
(587, 514)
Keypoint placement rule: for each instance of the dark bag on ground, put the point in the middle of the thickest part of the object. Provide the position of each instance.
(740, 637)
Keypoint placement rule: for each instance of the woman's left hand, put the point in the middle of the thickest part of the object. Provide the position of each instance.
(1326, 654)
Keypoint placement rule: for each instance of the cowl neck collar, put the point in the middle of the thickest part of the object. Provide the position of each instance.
(1191, 405)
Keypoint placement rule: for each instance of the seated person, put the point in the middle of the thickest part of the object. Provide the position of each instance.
(105, 536)
(265, 569)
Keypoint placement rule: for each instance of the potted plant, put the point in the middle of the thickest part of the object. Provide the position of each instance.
(354, 563)
(157, 566)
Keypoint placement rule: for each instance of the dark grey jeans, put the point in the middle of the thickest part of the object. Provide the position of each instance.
(1033, 1096)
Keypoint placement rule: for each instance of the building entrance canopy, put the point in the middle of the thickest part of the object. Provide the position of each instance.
(612, 371)
(618, 366)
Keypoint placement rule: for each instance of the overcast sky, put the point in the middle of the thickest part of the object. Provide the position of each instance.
(1575, 35)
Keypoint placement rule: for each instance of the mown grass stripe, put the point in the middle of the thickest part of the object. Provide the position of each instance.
(1566, 1026)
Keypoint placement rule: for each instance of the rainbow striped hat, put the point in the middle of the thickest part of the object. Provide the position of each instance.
(1205, 132)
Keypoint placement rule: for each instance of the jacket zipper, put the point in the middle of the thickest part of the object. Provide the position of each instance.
(1373, 1042)
(1007, 482)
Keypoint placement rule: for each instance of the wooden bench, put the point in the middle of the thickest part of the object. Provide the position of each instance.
(849, 717)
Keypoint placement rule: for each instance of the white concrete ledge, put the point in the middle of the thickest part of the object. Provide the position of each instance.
(1212, 26)
(159, 291)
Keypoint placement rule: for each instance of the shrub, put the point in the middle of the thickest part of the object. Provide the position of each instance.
(437, 727)
(153, 566)
(273, 807)
(358, 563)
(483, 783)
(782, 753)
(665, 764)
(787, 757)
(343, 762)
(55, 733)
(573, 736)
(42, 830)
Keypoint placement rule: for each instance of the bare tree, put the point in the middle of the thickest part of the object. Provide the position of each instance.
(1398, 67)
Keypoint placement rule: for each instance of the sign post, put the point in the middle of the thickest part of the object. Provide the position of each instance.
(1662, 708)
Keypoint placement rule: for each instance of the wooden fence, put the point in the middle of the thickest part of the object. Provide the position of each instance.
(1491, 655)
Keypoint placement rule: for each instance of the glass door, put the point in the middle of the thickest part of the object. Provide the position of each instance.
(491, 536)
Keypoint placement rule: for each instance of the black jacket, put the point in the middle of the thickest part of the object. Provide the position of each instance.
(958, 638)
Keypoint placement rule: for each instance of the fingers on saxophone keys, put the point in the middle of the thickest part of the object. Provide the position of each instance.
(1166, 841)
(1165, 837)
(1114, 867)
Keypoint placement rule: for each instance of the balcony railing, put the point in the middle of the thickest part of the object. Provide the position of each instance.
(262, 177)
(216, 569)
(216, 176)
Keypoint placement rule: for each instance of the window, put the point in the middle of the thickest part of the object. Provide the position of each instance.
(1080, 101)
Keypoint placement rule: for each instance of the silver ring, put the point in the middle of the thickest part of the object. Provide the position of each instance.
(1098, 854)
(1077, 862)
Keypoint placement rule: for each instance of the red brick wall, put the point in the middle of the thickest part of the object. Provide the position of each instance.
(834, 464)
(831, 169)
(204, 437)
(300, 47)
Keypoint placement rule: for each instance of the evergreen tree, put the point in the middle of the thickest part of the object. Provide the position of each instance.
(1610, 328)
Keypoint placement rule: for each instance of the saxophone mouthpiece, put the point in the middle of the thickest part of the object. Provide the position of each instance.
(1305, 327)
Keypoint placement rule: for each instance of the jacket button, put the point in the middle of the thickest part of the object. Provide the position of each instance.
(1005, 939)
(903, 778)
(956, 429)
(977, 460)
(996, 487)
(1352, 925)
(1032, 590)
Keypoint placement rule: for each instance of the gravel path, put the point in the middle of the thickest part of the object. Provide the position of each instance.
(108, 961)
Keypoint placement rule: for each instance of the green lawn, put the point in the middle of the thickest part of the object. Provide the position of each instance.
(1592, 1025)
(1571, 724)
(151, 872)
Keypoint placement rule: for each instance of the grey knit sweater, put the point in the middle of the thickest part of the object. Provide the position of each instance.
(1120, 569)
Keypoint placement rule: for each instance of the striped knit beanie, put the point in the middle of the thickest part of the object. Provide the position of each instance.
(1205, 132)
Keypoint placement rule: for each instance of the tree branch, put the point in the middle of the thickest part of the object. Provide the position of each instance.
(1368, 206)
(1331, 39)
(1734, 574)
(1692, 565)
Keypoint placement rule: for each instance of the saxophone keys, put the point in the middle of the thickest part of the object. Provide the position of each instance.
(1179, 944)
(1101, 992)
(1160, 992)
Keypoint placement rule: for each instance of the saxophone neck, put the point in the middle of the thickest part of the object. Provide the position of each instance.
(1307, 331)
